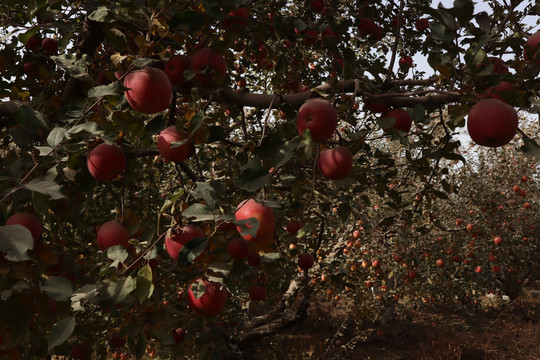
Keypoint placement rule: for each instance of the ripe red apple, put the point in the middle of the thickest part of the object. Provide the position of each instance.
(238, 248)
(264, 215)
(258, 292)
(112, 233)
(319, 116)
(33, 43)
(306, 261)
(179, 335)
(175, 67)
(356, 234)
(50, 46)
(376, 107)
(413, 274)
(367, 27)
(498, 65)
(207, 58)
(405, 62)
(492, 123)
(335, 163)
(495, 92)
(369, 284)
(402, 117)
(524, 179)
(211, 301)
(478, 269)
(398, 258)
(31, 69)
(526, 205)
(375, 263)
(310, 36)
(421, 24)
(294, 226)
(175, 154)
(106, 161)
(117, 341)
(439, 263)
(532, 44)
(149, 90)
(253, 258)
(394, 22)
(496, 269)
(236, 19)
(176, 239)
(29, 221)
(497, 240)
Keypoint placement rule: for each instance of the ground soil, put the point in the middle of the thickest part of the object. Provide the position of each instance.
(501, 330)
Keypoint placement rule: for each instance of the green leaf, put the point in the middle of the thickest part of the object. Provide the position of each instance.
(112, 89)
(28, 123)
(140, 349)
(198, 289)
(45, 187)
(143, 62)
(196, 121)
(188, 20)
(117, 254)
(164, 337)
(76, 67)
(192, 250)
(90, 127)
(102, 14)
(198, 212)
(207, 193)
(58, 288)
(248, 227)
(253, 176)
(15, 241)
(530, 148)
(56, 136)
(385, 122)
(217, 133)
(387, 222)
(299, 25)
(171, 199)
(61, 331)
(144, 286)
(124, 289)
(23, 38)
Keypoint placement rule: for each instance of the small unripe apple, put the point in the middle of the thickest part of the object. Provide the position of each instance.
(492, 123)
(403, 120)
(238, 248)
(50, 46)
(29, 221)
(106, 161)
(175, 67)
(176, 239)
(171, 152)
(319, 116)
(336, 163)
(306, 261)
(258, 292)
(211, 301)
(112, 233)
(149, 90)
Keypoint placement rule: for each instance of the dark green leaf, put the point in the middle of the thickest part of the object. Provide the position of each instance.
(198, 212)
(61, 331)
(196, 121)
(144, 286)
(102, 14)
(253, 176)
(124, 288)
(248, 227)
(113, 89)
(15, 241)
(58, 288)
(207, 193)
(530, 147)
(188, 20)
(46, 187)
(28, 123)
(192, 250)
(198, 289)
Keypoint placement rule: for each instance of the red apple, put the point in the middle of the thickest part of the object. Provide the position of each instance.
(369, 284)
(478, 269)
(176, 239)
(29, 221)
(236, 19)
(253, 258)
(149, 90)
(402, 118)
(106, 161)
(439, 263)
(376, 107)
(175, 154)
(335, 163)
(405, 62)
(498, 65)
(117, 341)
(398, 258)
(263, 214)
(375, 263)
(310, 36)
(50, 46)
(258, 292)
(320, 117)
(31, 69)
(497, 240)
(306, 261)
(294, 226)
(492, 123)
(207, 58)
(495, 92)
(524, 179)
(179, 335)
(175, 67)
(303, 88)
(211, 299)
(33, 43)
(356, 234)
(394, 22)
(421, 24)
(413, 274)
(367, 27)
(112, 233)
(532, 44)
(238, 248)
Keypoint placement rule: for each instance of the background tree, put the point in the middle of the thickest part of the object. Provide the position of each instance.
(94, 133)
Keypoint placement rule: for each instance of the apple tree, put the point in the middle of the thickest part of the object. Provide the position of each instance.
(183, 173)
